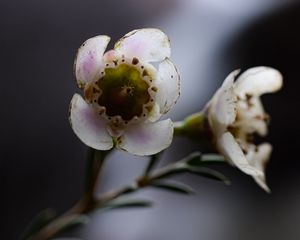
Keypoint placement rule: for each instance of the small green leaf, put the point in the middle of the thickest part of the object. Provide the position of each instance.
(38, 222)
(76, 220)
(194, 159)
(175, 170)
(197, 159)
(128, 204)
(152, 163)
(208, 173)
(212, 158)
(173, 187)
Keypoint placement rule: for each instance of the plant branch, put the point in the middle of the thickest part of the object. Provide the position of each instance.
(86, 204)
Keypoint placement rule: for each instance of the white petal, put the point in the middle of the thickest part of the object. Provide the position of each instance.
(88, 125)
(222, 108)
(147, 138)
(258, 158)
(252, 118)
(168, 85)
(89, 60)
(258, 80)
(148, 45)
(233, 152)
(261, 181)
(111, 56)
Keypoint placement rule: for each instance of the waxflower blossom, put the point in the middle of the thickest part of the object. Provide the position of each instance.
(124, 93)
(236, 114)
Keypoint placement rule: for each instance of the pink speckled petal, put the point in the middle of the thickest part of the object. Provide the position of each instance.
(88, 125)
(168, 85)
(147, 45)
(89, 60)
(147, 138)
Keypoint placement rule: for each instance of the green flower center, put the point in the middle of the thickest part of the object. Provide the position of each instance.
(124, 92)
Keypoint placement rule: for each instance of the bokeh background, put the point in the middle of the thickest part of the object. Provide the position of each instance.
(42, 162)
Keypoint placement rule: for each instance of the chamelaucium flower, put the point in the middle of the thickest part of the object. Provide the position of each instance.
(234, 116)
(124, 94)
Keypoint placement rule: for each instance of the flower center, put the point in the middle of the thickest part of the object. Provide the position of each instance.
(124, 92)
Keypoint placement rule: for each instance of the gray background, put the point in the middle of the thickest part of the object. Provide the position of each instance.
(42, 162)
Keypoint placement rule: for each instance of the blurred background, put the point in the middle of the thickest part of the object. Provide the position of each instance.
(42, 162)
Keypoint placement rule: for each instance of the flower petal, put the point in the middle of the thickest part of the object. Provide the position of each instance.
(111, 56)
(222, 108)
(147, 45)
(231, 150)
(168, 84)
(258, 80)
(89, 61)
(258, 157)
(252, 118)
(88, 125)
(147, 138)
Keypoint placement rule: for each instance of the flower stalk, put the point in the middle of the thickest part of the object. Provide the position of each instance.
(193, 163)
(86, 204)
(196, 128)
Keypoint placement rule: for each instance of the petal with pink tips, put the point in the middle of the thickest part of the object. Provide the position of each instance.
(89, 59)
(147, 45)
(88, 125)
(111, 55)
(147, 138)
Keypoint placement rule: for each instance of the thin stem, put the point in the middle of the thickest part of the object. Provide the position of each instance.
(195, 127)
(86, 204)
(140, 183)
(152, 163)
(94, 166)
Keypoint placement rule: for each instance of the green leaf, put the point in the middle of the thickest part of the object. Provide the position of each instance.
(198, 159)
(152, 163)
(128, 204)
(209, 173)
(76, 220)
(38, 222)
(212, 158)
(174, 170)
(173, 187)
(194, 159)
(193, 163)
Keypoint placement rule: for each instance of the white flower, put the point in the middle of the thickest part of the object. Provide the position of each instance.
(124, 94)
(236, 114)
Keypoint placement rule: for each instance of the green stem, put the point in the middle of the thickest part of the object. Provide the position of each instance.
(152, 163)
(140, 183)
(94, 166)
(85, 205)
(194, 127)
